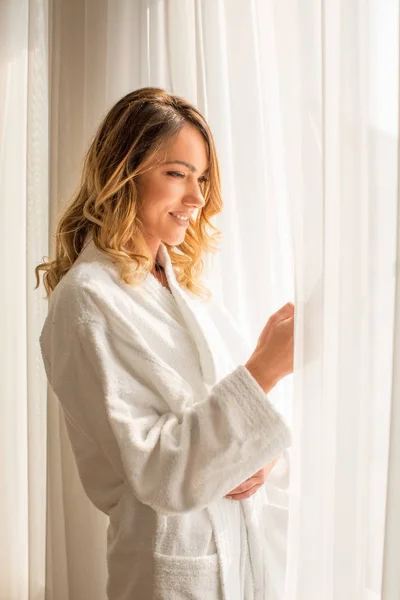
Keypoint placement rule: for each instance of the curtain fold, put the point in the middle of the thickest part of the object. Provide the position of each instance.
(390, 571)
(339, 83)
(24, 106)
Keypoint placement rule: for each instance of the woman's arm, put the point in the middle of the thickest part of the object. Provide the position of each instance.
(119, 396)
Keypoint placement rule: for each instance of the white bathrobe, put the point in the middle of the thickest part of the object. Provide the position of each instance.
(164, 420)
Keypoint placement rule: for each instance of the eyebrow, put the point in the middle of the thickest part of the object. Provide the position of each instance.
(182, 162)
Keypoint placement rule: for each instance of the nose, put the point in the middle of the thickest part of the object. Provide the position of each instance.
(194, 197)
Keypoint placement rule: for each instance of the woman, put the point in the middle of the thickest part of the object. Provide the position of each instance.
(164, 403)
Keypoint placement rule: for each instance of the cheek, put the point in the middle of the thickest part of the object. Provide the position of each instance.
(155, 206)
(157, 197)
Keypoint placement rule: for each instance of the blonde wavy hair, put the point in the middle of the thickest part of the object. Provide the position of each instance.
(107, 205)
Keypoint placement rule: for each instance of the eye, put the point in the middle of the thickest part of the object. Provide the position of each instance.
(203, 179)
(175, 174)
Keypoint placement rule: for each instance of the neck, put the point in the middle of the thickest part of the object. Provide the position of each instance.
(153, 245)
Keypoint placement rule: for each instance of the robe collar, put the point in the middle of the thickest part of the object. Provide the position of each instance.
(194, 312)
(192, 308)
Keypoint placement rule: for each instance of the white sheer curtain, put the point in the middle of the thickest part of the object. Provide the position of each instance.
(339, 75)
(302, 97)
(23, 241)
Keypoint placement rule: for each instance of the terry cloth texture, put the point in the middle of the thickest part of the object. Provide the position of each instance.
(164, 420)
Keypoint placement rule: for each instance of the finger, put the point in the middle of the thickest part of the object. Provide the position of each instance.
(257, 478)
(259, 475)
(243, 487)
(269, 468)
(246, 494)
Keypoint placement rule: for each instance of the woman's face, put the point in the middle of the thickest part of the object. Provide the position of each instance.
(173, 187)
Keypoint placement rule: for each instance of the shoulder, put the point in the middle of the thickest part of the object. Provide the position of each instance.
(92, 290)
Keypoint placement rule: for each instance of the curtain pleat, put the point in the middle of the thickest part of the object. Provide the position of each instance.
(391, 548)
(24, 152)
(341, 139)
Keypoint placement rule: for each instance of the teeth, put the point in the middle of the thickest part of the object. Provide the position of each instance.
(180, 217)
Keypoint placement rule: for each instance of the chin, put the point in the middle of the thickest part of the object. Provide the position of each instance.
(173, 239)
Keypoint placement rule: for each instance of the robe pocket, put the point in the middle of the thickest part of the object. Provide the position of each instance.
(186, 577)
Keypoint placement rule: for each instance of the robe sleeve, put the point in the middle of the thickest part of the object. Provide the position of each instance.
(277, 483)
(114, 391)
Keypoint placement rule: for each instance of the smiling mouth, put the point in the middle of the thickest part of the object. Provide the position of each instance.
(182, 218)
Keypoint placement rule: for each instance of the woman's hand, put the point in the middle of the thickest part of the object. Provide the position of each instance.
(251, 485)
(273, 356)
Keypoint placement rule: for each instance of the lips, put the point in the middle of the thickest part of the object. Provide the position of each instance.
(180, 222)
(180, 214)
